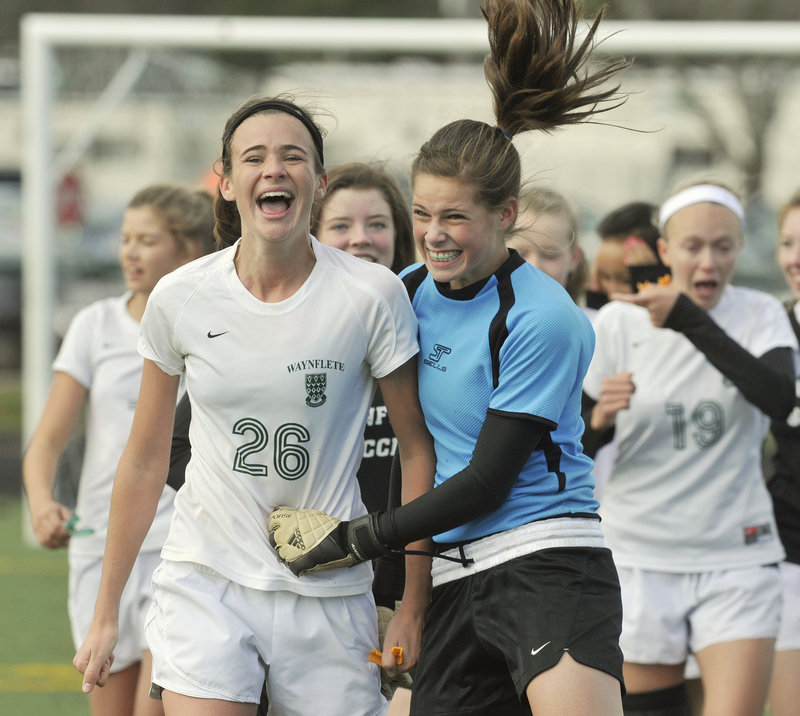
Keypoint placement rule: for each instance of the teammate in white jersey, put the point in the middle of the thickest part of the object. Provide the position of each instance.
(364, 212)
(784, 487)
(280, 340)
(98, 365)
(688, 375)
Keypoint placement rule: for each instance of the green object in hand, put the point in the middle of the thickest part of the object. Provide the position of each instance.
(72, 527)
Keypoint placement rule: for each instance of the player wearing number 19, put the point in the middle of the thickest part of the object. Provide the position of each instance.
(688, 376)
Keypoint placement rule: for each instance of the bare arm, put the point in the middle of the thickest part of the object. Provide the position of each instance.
(418, 463)
(138, 484)
(60, 415)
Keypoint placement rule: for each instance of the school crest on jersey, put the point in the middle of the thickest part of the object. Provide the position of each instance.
(315, 387)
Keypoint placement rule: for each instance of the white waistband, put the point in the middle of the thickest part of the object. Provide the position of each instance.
(495, 549)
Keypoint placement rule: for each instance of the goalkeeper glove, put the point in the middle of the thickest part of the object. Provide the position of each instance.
(311, 540)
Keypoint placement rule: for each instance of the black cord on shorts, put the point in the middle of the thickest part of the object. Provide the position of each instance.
(463, 560)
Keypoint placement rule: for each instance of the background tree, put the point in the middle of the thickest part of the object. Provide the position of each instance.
(756, 87)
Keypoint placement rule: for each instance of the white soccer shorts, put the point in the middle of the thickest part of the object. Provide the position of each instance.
(789, 634)
(666, 614)
(213, 638)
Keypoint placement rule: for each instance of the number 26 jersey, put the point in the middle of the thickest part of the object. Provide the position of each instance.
(280, 394)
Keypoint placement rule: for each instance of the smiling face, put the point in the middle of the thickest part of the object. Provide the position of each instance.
(273, 180)
(701, 245)
(789, 249)
(546, 242)
(460, 241)
(147, 250)
(360, 222)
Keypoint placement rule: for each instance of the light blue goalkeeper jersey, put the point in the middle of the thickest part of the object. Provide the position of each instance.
(515, 344)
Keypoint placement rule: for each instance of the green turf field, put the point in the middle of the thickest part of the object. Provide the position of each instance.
(36, 673)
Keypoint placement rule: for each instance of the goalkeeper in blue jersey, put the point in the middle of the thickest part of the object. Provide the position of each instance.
(525, 612)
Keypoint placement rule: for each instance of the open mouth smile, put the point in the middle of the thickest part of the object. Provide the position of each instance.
(275, 202)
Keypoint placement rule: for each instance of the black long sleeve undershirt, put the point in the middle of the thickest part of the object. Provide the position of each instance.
(503, 447)
(766, 382)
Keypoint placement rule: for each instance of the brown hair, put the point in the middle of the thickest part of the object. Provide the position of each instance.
(187, 213)
(637, 218)
(361, 175)
(228, 227)
(539, 81)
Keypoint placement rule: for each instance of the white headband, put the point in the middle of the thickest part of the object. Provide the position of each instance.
(697, 195)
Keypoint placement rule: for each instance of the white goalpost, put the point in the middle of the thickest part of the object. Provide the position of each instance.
(43, 34)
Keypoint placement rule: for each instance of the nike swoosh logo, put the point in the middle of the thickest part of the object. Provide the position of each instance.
(216, 335)
(534, 652)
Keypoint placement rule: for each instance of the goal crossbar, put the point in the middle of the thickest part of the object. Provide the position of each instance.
(43, 33)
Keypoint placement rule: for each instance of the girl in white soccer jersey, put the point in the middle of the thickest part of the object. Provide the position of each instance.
(365, 213)
(784, 488)
(527, 617)
(688, 375)
(98, 365)
(280, 340)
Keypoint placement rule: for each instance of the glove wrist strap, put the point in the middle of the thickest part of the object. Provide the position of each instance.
(362, 539)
